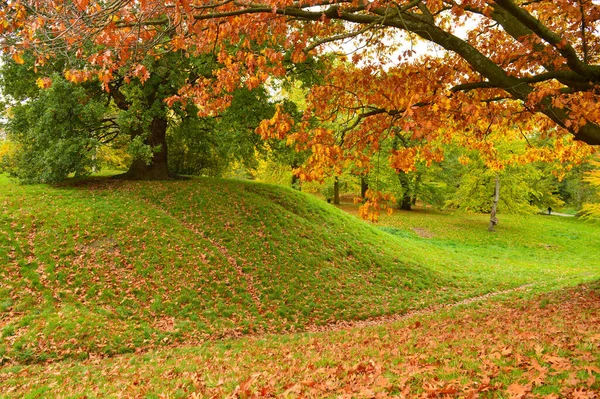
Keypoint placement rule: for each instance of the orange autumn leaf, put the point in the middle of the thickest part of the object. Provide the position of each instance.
(518, 391)
(18, 58)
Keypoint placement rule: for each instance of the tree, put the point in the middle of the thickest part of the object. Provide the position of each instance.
(207, 146)
(60, 119)
(61, 127)
(506, 185)
(573, 187)
(542, 54)
(493, 218)
(53, 134)
(591, 210)
(534, 64)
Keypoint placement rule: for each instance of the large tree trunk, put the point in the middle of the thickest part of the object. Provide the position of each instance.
(336, 191)
(406, 202)
(493, 218)
(158, 169)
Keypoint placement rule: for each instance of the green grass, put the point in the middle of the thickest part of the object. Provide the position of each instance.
(108, 267)
(487, 349)
(524, 249)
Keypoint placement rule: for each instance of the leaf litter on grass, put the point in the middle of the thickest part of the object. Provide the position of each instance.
(545, 346)
(141, 269)
(110, 267)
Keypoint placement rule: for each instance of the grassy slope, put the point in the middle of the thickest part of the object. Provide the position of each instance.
(112, 267)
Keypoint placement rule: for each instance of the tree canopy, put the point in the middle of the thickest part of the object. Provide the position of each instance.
(525, 68)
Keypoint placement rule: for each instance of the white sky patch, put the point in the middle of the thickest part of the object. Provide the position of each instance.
(405, 43)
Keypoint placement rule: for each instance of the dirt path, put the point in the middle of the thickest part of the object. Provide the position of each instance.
(566, 215)
(377, 321)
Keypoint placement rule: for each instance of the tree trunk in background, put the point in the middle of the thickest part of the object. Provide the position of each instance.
(364, 186)
(296, 182)
(416, 189)
(406, 202)
(158, 169)
(336, 191)
(493, 218)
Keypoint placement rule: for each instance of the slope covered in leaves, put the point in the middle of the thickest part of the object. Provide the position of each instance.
(110, 267)
(520, 346)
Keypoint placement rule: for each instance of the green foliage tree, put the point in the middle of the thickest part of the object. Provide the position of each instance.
(57, 132)
(206, 146)
(575, 188)
(59, 129)
(133, 110)
(429, 183)
(525, 188)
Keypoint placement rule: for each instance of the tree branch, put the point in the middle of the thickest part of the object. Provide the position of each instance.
(339, 37)
(555, 40)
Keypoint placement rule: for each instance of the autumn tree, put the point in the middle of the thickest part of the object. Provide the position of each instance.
(493, 64)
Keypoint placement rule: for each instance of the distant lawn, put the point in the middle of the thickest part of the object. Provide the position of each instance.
(524, 248)
(105, 267)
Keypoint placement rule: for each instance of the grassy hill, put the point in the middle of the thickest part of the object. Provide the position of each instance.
(107, 267)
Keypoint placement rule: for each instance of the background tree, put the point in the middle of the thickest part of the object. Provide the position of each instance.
(428, 184)
(208, 145)
(59, 121)
(573, 187)
(132, 112)
(592, 209)
(503, 182)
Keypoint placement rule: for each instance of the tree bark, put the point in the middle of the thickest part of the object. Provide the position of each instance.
(406, 202)
(336, 191)
(364, 186)
(158, 169)
(493, 218)
(416, 188)
(296, 182)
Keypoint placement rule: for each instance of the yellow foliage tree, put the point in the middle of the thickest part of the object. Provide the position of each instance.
(7, 149)
(592, 210)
